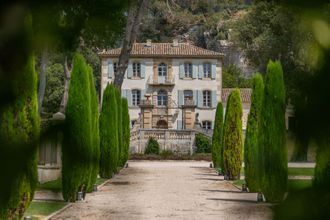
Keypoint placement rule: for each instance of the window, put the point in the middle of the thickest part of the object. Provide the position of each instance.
(207, 70)
(162, 69)
(188, 70)
(162, 98)
(188, 96)
(115, 67)
(136, 69)
(136, 97)
(207, 125)
(207, 98)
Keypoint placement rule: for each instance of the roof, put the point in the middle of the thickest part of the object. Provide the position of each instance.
(245, 94)
(164, 49)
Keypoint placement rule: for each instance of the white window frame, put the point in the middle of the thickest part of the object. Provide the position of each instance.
(207, 125)
(188, 95)
(188, 70)
(115, 67)
(162, 69)
(136, 68)
(207, 98)
(207, 70)
(136, 97)
(162, 98)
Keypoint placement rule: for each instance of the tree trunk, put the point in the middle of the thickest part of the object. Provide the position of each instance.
(135, 13)
(42, 78)
(67, 76)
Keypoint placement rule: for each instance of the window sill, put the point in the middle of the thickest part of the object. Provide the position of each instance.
(187, 78)
(207, 79)
(134, 107)
(206, 108)
(135, 78)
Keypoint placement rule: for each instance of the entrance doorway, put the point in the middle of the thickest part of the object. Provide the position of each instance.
(162, 124)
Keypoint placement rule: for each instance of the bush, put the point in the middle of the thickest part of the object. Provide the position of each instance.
(108, 133)
(217, 137)
(203, 144)
(322, 168)
(272, 135)
(152, 147)
(19, 135)
(251, 148)
(126, 130)
(166, 154)
(232, 136)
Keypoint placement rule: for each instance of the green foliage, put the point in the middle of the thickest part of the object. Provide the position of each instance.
(217, 149)
(203, 144)
(43, 208)
(166, 154)
(232, 77)
(126, 130)
(109, 133)
(119, 127)
(19, 136)
(251, 147)
(232, 136)
(272, 135)
(152, 147)
(322, 168)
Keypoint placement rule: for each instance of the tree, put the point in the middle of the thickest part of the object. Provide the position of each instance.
(19, 133)
(232, 136)
(252, 154)
(126, 130)
(152, 146)
(77, 152)
(108, 133)
(272, 135)
(119, 127)
(217, 137)
(232, 77)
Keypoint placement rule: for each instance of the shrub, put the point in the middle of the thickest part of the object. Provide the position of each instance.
(19, 134)
(119, 127)
(152, 147)
(251, 147)
(203, 144)
(217, 137)
(232, 136)
(322, 168)
(272, 135)
(126, 130)
(108, 133)
(166, 154)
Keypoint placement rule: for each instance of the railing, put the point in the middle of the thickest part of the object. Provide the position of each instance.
(161, 80)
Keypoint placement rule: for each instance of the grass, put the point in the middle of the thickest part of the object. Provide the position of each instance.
(54, 185)
(296, 185)
(238, 182)
(99, 181)
(300, 171)
(43, 208)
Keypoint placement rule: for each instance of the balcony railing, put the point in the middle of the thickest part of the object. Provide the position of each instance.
(161, 80)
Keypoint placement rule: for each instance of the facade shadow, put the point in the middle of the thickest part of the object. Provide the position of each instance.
(233, 200)
(223, 191)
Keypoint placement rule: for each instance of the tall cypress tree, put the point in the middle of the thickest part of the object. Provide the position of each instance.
(217, 137)
(232, 136)
(251, 147)
(126, 129)
(120, 127)
(108, 133)
(77, 152)
(272, 135)
(19, 135)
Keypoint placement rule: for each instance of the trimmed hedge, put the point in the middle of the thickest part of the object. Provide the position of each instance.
(126, 130)
(108, 133)
(203, 144)
(232, 136)
(272, 135)
(252, 168)
(217, 137)
(322, 168)
(19, 136)
(152, 147)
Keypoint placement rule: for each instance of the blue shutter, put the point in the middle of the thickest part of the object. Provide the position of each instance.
(200, 71)
(195, 71)
(124, 93)
(143, 70)
(181, 71)
(179, 124)
(214, 98)
(110, 69)
(129, 97)
(129, 71)
(200, 98)
(213, 71)
(195, 97)
(180, 98)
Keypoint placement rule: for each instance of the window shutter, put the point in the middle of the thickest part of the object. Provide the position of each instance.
(143, 70)
(143, 92)
(195, 71)
(129, 97)
(200, 98)
(110, 69)
(181, 71)
(129, 71)
(180, 98)
(195, 97)
(200, 71)
(214, 98)
(213, 71)
(124, 93)
(179, 123)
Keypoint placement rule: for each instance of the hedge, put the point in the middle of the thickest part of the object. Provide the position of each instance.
(217, 137)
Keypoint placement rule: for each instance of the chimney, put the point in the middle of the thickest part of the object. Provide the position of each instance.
(148, 43)
(175, 42)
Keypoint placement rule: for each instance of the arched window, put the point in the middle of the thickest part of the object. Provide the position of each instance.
(136, 69)
(162, 98)
(162, 69)
(207, 70)
(136, 97)
(207, 125)
(207, 98)
(188, 70)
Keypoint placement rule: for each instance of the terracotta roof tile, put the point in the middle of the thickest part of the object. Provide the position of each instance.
(164, 49)
(245, 95)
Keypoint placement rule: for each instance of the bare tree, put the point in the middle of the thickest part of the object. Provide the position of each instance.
(67, 77)
(135, 14)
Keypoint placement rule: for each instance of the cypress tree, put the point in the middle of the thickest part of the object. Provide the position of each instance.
(108, 133)
(120, 128)
(272, 135)
(251, 147)
(232, 136)
(77, 152)
(19, 135)
(126, 130)
(322, 168)
(217, 137)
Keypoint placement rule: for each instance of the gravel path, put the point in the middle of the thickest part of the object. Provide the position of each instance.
(168, 190)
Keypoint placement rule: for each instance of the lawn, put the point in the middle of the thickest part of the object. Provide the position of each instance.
(54, 185)
(300, 171)
(99, 181)
(296, 185)
(43, 208)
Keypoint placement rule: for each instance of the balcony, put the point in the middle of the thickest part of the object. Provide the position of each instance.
(161, 80)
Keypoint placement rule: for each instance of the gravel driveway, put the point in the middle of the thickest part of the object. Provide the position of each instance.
(168, 190)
